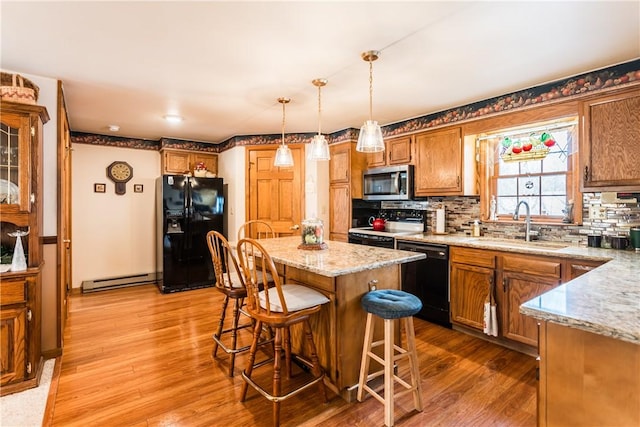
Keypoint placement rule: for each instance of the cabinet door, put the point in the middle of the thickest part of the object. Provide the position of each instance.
(12, 344)
(209, 160)
(438, 163)
(176, 162)
(340, 163)
(15, 159)
(399, 151)
(609, 158)
(470, 287)
(339, 212)
(517, 289)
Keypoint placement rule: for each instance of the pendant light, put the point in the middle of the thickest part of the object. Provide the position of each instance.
(319, 148)
(284, 158)
(370, 138)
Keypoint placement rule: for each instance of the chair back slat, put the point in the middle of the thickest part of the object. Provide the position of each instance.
(225, 265)
(256, 229)
(258, 266)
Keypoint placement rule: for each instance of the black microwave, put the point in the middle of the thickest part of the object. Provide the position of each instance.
(388, 183)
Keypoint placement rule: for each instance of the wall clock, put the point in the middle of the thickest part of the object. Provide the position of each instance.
(120, 173)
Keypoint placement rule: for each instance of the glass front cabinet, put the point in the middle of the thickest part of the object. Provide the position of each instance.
(20, 244)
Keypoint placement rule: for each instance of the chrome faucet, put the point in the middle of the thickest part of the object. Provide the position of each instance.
(516, 216)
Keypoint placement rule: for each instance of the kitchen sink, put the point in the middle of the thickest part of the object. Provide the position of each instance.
(520, 243)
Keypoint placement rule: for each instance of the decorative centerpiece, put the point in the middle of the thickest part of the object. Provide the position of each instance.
(18, 262)
(200, 171)
(312, 235)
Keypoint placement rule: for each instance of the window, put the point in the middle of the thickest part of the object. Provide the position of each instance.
(527, 166)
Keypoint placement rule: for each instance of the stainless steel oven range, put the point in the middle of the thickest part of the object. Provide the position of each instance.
(401, 218)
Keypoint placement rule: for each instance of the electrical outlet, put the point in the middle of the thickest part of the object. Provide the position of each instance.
(597, 212)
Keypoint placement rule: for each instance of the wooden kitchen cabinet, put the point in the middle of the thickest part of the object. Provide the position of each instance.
(578, 267)
(472, 278)
(439, 163)
(587, 379)
(21, 209)
(524, 277)
(610, 154)
(345, 183)
(398, 151)
(182, 162)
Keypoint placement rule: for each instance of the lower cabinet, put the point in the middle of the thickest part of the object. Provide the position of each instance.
(515, 278)
(586, 379)
(20, 330)
(471, 280)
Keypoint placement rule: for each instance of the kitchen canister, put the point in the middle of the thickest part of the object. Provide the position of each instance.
(634, 237)
(619, 242)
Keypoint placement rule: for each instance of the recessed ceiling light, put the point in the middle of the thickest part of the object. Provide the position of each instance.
(114, 128)
(172, 118)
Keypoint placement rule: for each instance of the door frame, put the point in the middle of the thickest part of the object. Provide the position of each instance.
(64, 240)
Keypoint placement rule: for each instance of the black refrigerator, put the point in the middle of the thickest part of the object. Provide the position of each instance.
(188, 208)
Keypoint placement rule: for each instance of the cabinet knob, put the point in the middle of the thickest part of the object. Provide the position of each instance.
(373, 284)
(586, 173)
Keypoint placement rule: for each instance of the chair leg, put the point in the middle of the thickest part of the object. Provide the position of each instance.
(287, 351)
(413, 363)
(316, 370)
(366, 348)
(218, 333)
(234, 333)
(257, 330)
(388, 372)
(276, 374)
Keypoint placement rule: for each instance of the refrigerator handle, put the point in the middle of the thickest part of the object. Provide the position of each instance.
(187, 198)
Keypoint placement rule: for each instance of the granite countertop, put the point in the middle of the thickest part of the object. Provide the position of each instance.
(604, 301)
(339, 259)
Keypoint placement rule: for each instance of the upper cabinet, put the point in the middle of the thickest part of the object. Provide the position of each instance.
(182, 161)
(445, 164)
(21, 173)
(398, 151)
(610, 143)
(345, 183)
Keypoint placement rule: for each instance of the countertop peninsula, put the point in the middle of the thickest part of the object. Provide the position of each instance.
(338, 259)
(604, 301)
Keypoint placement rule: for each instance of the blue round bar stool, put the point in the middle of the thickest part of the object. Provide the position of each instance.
(390, 304)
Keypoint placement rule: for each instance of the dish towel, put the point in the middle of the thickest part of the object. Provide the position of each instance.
(490, 321)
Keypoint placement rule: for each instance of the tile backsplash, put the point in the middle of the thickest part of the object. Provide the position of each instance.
(618, 216)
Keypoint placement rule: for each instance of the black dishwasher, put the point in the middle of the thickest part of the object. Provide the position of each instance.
(428, 279)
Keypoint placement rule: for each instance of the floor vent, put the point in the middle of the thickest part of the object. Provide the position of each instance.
(117, 282)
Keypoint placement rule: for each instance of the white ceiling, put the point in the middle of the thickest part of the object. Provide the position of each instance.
(222, 65)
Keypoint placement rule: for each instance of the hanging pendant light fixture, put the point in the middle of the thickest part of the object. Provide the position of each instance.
(370, 138)
(284, 158)
(319, 148)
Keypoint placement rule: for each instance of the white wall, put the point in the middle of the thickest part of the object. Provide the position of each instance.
(113, 235)
(231, 167)
(316, 186)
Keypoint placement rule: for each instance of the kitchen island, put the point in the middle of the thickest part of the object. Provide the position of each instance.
(343, 273)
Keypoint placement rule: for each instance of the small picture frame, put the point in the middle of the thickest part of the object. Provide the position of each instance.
(137, 188)
(99, 188)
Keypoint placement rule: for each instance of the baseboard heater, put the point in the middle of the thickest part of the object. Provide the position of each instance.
(118, 282)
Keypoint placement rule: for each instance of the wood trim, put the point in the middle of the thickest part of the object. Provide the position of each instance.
(49, 240)
(47, 419)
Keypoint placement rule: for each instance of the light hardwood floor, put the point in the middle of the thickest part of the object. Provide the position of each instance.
(135, 357)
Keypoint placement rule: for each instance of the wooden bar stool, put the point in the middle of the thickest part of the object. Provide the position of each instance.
(278, 307)
(230, 282)
(390, 304)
